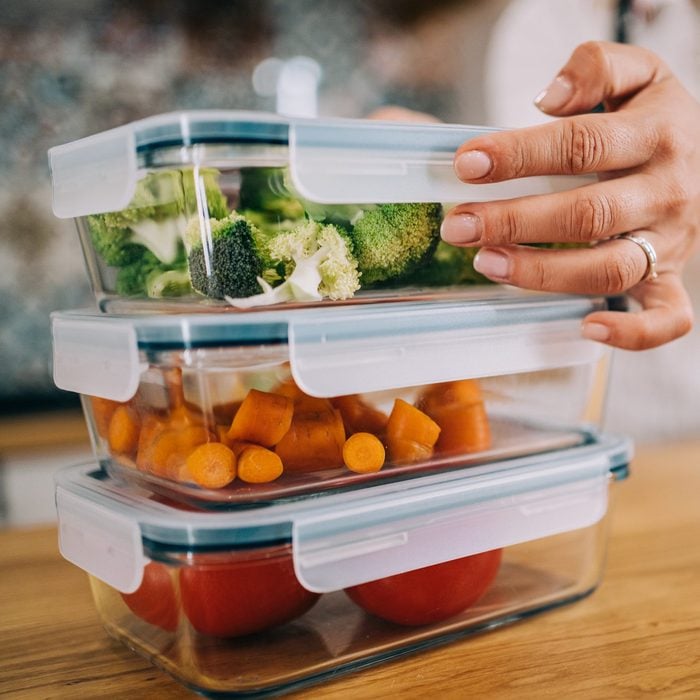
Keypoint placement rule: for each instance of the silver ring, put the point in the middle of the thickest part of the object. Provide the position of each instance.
(649, 251)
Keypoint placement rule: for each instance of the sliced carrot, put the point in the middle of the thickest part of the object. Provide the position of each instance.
(314, 441)
(263, 418)
(403, 451)
(167, 448)
(258, 465)
(461, 392)
(464, 429)
(102, 412)
(123, 433)
(410, 433)
(303, 402)
(359, 416)
(211, 465)
(173, 383)
(410, 423)
(363, 453)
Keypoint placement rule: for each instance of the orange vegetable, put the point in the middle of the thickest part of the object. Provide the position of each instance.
(462, 392)
(403, 451)
(211, 465)
(464, 429)
(363, 453)
(303, 403)
(410, 433)
(314, 441)
(123, 433)
(164, 446)
(263, 418)
(359, 416)
(258, 465)
(102, 412)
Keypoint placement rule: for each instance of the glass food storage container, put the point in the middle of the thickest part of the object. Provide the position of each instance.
(237, 209)
(226, 410)
(259, 601)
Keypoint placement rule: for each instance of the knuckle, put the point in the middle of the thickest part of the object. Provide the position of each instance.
(677, 198)
(504, 226)
(591, 54)
(592, 217)
(584, 148)
(617, 275)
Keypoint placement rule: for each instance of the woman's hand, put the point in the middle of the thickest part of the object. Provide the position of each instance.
(645, 149)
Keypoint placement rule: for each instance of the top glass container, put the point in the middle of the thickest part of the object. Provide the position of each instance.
(232, 210)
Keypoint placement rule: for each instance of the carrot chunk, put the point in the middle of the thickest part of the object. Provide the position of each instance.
(462, 392)
(363, 453)
(464, 429)
(211, 465)
(102, 412)
(123, 432)
(263, 418)
(410, 433)
(258, 465)
(359, 416)
(314, 441)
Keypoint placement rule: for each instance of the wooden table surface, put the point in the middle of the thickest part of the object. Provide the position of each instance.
(637, 636)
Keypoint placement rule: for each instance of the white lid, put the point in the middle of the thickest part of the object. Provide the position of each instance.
(334, 351)
(339, 540)
(337, 161)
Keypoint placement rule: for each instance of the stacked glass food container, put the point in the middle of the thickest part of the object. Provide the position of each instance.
(321, 439)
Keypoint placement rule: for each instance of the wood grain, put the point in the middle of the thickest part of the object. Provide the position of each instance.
(638, 636)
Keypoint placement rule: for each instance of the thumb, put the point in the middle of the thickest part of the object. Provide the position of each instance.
(600, 71)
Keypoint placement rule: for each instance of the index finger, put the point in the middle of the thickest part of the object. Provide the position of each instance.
(590, 143)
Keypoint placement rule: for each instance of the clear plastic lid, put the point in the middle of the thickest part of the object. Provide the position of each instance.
(337, 351)
(338, 161)
(338, 540)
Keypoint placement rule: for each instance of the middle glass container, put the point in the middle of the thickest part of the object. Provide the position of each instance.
(223, 411)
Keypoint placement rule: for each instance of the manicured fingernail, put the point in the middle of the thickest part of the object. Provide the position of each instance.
(555, 95)
(596, 331)
(472, 165)
(461, 228)
(492, 263)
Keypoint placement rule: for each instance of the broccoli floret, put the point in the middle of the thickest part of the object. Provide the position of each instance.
(449, 265)
(155, 218)
(208, 186)
(224, 261)
(264, 190)
(318, 262)
(113, 244)
(394, 240)
(131, 278)
(168, 283)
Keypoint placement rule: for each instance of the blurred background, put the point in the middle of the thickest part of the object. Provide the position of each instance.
(70, 68)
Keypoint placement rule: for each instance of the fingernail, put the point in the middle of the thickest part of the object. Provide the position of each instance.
(555, 95)
(492, 263)
(472, 165)
(461, 228)
(596, 331)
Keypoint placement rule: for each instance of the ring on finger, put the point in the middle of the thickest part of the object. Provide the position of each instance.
(649, 251)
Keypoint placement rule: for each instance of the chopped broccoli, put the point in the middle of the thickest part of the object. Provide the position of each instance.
(318, 262)
(264, 190)
(155, 218)
(131, 278)
(449, 265)
(168, 283)
(394, 240)
(224, 261)
(208, 190)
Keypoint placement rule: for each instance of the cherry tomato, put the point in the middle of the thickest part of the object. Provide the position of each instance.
(154, 601)
(431, 594)
(243, 593)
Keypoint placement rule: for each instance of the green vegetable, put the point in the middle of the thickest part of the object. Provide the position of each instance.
(224, 262)
(131, 278)
(168, 283)
(155, 218)
(317, 262)
(264, 191)
(449, 265)
(394, 240)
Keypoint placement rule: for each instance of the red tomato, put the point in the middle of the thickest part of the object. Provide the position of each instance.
(154, 601)
(431, 594)
(247, 594)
